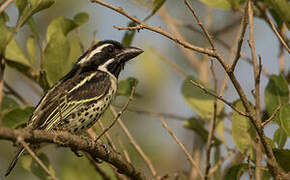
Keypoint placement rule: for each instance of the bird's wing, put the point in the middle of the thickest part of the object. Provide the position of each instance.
(66, 96)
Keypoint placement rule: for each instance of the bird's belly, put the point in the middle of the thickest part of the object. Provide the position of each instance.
(87, 113)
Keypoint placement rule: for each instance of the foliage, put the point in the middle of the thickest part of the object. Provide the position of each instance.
(43, 60)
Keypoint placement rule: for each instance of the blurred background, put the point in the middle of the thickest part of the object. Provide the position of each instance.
(159, 86)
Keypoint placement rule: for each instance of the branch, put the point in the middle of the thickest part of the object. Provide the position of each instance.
(34, 156)
(271, 117)
(5, 5)
(134, 143)
(240, 43)
(143, 25)
(65, 139)
(218, 97)
(271, 24)
(211, 42)
(209, 142)
(188, 156)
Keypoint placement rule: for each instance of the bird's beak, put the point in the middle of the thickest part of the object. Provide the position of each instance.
(129, 53)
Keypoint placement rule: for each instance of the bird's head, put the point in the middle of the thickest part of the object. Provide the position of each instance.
(108, 56)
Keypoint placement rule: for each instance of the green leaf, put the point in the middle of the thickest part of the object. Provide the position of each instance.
(220, 130)
(4, 35)
(125, 86)
(276, 93)
(60, 25)
(17, 117)
(33, 7)
(280, 137)
(81, 18)
(243, 131)
(195, 125)
(75, 52)
(31, 165)
(281, 9)
(129, 35)
(157, 4)
(21, 5)
(38, 5)
(56, 56)
(236, 171)
(33, 28)
(283, 158)
(32, 51)
(14, 53)
(284, 117)
(7, 105)
(201, 102)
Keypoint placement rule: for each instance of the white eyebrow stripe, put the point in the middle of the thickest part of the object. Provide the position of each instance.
(91, 54)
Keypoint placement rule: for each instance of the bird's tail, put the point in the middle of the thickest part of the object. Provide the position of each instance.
(14, 161)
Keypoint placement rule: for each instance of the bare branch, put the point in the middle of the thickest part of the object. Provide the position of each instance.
(212, 126)
(188, 156)
(34, 156)
(219, 97)
(272, 116)
(271, 24)
(241, 40)
(134, 143)
(5, 5)
(65, 139)
(201, 25)
(154, 29)
(220, 162)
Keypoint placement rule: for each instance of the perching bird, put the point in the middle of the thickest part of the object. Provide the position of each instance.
(78, 100)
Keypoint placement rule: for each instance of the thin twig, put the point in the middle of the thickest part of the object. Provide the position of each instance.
(258, 160)
(220, 162)
(34, 156)
(271, 24)
(229, 61)
(272, 116)
(5, 5)
(125, 152)
(244, 24)
(218, 97)
(119, 113)
(188, 156)
(250, 168)
(281, 53)
(212, 126)
(134, 143)
(201, 26)
(108, 137)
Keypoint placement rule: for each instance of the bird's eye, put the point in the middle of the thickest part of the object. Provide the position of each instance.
(110, 49)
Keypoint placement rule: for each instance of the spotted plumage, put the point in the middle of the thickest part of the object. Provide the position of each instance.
(78, 100)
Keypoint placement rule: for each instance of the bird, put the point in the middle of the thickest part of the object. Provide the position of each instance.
(79, 99)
